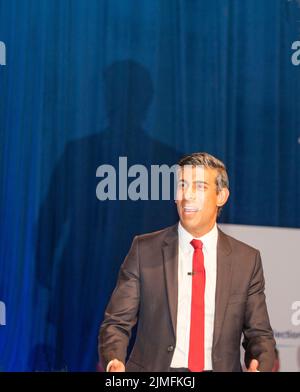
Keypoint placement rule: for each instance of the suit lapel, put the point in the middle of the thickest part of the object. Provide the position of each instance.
(170, 258)
(224, 265)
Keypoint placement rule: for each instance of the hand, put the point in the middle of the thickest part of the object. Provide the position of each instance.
(253, 367)
(116, 366)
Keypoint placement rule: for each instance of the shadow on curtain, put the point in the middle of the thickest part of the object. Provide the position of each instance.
(82, 241)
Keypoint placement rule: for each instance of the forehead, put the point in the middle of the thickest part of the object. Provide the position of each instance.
(197, 173)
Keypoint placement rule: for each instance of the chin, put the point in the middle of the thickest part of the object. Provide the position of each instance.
(189, 225)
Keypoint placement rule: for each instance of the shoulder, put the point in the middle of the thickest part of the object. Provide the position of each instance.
(159, 236)
(236, 245)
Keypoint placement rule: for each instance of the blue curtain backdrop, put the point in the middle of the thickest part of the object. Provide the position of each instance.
(88, 81)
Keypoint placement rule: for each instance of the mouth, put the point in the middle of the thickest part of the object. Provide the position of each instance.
(190, 209)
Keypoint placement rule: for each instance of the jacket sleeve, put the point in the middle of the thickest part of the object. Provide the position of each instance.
(121, 312)
(259, 340)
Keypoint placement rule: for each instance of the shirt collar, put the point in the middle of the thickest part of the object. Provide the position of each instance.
(209, 240)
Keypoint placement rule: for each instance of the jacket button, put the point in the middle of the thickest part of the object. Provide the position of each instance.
(170, 348)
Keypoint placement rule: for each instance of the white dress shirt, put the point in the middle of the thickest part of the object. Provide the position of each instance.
(185, 265)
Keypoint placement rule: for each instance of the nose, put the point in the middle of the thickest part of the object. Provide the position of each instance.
(189, 193)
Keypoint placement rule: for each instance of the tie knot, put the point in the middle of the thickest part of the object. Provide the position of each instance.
(196, 244)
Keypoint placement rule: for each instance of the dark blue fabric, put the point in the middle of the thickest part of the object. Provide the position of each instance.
(89, 81)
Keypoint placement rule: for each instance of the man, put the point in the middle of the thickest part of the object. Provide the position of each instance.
(193, 289)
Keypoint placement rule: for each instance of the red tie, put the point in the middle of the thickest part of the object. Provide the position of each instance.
(196, 348)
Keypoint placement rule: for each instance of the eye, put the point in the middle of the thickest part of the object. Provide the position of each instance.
(181, 184)
(201, 186)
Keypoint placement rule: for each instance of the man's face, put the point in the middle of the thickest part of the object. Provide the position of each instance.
(197, 199)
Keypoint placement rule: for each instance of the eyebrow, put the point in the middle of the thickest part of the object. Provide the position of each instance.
(201, 182)
(195, 182)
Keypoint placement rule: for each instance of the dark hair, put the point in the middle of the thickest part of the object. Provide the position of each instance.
(208, 161)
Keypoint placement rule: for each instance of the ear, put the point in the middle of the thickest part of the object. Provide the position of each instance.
(222, 197)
